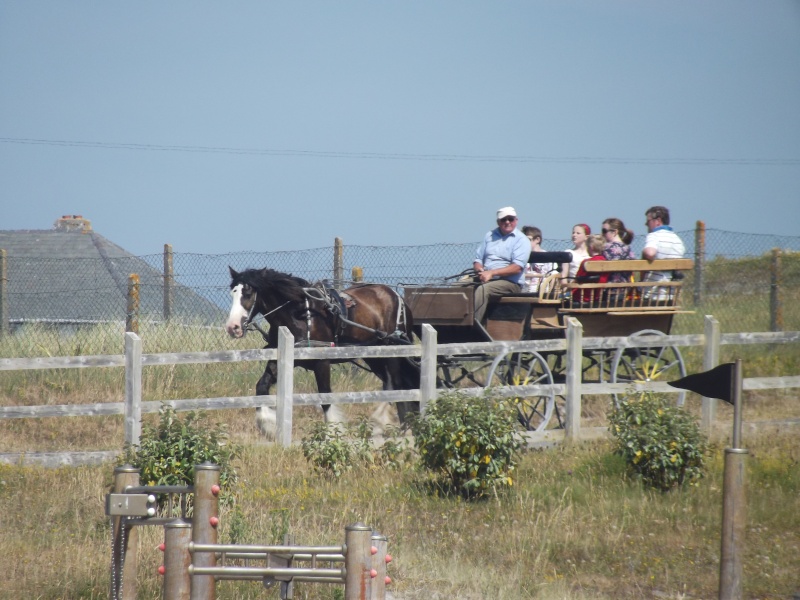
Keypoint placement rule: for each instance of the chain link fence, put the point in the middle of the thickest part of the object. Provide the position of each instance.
(49, 309)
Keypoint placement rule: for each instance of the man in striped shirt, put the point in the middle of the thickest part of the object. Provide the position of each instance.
(661, 242)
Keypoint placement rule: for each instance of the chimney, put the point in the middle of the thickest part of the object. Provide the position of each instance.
(73, 223)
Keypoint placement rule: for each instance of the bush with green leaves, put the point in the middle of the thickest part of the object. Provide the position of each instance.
(169, 450)
(662, 444)
(471, 442)
(334, 448)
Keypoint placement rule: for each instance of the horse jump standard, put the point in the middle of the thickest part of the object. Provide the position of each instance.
(191, 550)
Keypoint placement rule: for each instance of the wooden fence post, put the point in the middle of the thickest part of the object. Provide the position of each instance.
(427, 379)
(285, 383)
(710, 360)
(124, 557)
(357, 274)
(169, 282)
(572, 420)
(338, 263)
(775, 308)
(133, 388)
(699, 261)
(132, 315)
(204, 527)
(3, 294)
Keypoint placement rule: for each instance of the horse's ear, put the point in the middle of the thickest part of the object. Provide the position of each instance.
(234, 274)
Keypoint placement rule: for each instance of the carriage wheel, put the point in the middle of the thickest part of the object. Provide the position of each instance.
(648, 363)
(462, 372)
(526, 368)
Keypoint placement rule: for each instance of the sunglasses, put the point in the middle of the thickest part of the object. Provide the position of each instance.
(605, 231)
(508, 219)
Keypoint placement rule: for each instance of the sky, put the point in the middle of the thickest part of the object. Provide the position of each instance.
(270, 126)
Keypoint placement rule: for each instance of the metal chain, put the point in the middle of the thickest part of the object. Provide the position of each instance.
(122, 540)
(117, 577)
(113, 563)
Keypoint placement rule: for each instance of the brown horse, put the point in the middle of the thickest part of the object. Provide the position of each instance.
(363, 315)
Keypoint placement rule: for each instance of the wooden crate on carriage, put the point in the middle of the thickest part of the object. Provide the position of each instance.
(450, 310)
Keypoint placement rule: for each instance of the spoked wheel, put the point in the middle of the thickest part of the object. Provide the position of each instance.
(654, 362)
(526, 368)
(462, 372)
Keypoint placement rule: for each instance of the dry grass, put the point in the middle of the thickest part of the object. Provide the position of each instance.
(573, 527)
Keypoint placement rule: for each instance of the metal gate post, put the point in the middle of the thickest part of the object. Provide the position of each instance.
(204, 527)
(379, 562)
(358, 562)
(123, 563)
(177, 581)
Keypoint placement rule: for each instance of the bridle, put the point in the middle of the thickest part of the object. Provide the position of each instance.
(250, 324)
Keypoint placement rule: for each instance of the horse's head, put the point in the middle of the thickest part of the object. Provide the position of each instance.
(244, 298)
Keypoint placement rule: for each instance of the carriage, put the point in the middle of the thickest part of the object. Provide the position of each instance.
(640, 310)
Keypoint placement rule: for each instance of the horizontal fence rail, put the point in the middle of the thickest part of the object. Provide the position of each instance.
(428, 352)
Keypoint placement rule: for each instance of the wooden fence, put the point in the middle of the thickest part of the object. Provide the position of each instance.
(428, 352)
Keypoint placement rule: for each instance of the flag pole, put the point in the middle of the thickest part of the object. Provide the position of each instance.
(733, 501)
(736, 387)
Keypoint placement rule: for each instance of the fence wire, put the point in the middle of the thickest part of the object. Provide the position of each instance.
(51, 310)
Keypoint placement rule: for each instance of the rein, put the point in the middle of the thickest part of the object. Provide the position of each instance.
(250, 324)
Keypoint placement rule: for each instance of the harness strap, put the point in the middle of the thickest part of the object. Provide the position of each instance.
(250, 324)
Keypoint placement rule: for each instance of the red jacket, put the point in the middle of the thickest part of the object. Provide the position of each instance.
(583, 277)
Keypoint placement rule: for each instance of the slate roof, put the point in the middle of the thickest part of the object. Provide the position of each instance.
(72, 274)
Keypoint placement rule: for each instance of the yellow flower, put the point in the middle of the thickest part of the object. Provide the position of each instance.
(510, 481)
(674, 458)
(487, 459)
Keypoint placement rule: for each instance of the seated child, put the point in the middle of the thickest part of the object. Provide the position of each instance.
(535, 272)
(595, 245)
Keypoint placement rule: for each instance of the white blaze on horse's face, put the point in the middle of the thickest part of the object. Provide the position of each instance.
(238, 315)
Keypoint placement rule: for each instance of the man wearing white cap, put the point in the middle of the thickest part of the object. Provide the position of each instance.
(500, 261)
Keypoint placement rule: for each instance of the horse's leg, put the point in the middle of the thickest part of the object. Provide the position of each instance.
(266, 418)
(406, 377)
(382, 417)
(322, 373)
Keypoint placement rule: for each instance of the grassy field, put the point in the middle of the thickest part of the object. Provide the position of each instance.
(572, 527)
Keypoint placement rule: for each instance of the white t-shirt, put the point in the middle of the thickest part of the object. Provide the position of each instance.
(578, 256)
(667, 244)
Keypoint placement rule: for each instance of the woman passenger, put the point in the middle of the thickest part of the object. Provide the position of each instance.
(618, 240)
(579, 252)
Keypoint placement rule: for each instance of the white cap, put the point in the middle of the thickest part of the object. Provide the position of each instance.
(507, 211)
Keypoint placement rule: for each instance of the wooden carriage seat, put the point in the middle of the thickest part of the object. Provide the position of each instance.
(631, 296)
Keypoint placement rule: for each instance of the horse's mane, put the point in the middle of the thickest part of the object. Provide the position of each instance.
(282, 284)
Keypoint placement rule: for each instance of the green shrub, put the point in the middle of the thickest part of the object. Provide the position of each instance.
(334, 448)
(168, 451)
(469, 441)
(661, 443)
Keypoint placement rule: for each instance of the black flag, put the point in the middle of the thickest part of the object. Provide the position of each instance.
(716, 383)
